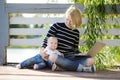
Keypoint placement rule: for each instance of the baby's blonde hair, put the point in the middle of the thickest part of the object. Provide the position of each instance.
(75, 15)
(52, 37)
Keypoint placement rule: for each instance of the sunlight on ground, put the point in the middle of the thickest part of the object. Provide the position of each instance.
(17, 55)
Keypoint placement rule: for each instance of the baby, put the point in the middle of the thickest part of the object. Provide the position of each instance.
(37, 62)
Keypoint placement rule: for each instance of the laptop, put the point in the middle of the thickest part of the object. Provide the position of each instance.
(94, 50)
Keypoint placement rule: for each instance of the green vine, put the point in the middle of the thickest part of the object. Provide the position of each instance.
(95, 11)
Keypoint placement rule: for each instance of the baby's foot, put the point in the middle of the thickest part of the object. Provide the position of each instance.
(35, 67)
(18, 66)
(56, 68)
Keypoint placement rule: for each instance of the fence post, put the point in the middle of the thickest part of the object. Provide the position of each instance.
(3, 31)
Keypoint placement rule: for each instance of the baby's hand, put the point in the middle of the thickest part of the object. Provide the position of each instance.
(62, 54)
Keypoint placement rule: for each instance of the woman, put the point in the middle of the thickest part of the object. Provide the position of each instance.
(68, 42)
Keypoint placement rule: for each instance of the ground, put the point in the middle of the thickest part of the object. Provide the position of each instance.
(12, 73)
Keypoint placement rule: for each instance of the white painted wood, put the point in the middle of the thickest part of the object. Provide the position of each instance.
(114, 31)
(108, 42)
(40, 8)
(115, 42)
(48, 20)
(112, 21)
(20, 20)
(42, 31)
(3, 32)
(28, 31)
(38, 42)
(50, 8)
(26, 42)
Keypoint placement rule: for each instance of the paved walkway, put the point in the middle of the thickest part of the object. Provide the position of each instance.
(12, 73)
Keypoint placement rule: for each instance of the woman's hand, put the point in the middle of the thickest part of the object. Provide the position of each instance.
(43, 54)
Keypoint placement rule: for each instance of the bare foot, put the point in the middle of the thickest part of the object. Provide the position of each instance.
(18, 66)
(35, 67)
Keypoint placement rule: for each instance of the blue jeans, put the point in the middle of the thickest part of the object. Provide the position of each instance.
(28, 63)
(71, 63)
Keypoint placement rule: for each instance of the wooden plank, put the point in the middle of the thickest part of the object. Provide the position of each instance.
(112, 21)
(115, 42)
(40, 8)
(114, 31)
(3, 25)
(3, 32)
(28, 31)
(42, 31)
(108, 42)
(26, 42)
(12, 73)
(38, 42)
(21, 20)
(48, 20)
(51, 8)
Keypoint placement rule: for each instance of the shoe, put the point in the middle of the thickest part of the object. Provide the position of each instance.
(56, 68)
(89, 69)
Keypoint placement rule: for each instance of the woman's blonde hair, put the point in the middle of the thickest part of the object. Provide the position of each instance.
(75, 15)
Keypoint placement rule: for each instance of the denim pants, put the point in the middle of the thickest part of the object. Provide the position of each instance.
(71, 63)
(28, 63)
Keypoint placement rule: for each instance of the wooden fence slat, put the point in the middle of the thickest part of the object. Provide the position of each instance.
(42, 31)
(40, 8)
(38, 42)
(114, 31)
(26, 42)
(50, 8)
(48, 20)
(115, 42)
(28, 31)
(20, 20)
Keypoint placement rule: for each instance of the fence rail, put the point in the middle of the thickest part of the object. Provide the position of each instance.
(41, 31)
(48, 20)
(51, 8)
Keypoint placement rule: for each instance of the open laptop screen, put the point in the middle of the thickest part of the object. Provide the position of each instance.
(95, 48)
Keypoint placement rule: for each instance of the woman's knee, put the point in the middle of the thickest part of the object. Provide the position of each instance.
(90, 61)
